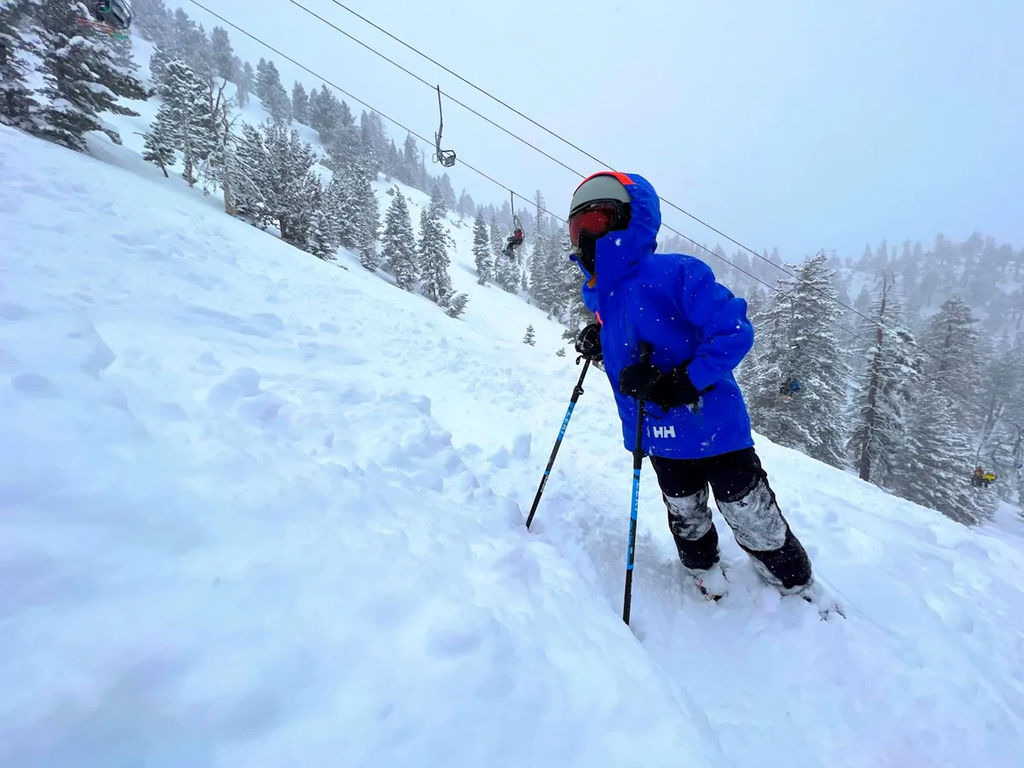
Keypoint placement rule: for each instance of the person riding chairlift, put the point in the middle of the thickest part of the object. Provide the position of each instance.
(116, 13)
(514, 240)
(789, 388)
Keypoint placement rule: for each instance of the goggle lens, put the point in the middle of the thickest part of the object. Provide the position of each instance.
(594, 222)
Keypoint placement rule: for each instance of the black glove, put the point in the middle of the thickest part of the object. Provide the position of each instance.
(588, 343)
(682, 391)
(641, 380)
(645, 381)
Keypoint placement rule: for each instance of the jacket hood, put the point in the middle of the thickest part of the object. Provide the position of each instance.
(620, 251)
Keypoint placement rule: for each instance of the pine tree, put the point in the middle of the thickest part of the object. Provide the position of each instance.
(17, 105)
(319, 240)
(363, 212)
(247, 173)
(497, 239)
(457, 304)
(447, 192)
(224, 60)
(951, 338)
(934, 470)
(246, 83)
(160, 142)
(482, 250)
(184, 120)
(300, 103)
(272, 93)
(80, 77)
(214, 169)
(274, 182)
(432, 250)
(884, 389)
(530, 336)
(796, 339)
(398, 245)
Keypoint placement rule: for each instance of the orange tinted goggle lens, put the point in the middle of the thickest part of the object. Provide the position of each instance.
(595, 222)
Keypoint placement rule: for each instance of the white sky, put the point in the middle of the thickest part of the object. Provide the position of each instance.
(796, 124)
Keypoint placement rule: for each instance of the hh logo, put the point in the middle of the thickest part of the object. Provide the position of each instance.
(668, 431)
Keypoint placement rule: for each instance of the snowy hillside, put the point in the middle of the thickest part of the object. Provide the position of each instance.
(261, 510)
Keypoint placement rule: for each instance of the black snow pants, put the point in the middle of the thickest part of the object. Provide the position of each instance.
(746, 502)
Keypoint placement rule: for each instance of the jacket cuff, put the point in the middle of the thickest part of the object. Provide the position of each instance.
(700, 375)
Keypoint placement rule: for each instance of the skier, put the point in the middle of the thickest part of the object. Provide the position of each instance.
(514, 240)
(696, 426)
(977, 477)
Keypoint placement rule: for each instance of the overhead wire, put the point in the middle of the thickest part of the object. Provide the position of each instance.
(584, 152)
(534, 147)
(495, 181)
(369, 106)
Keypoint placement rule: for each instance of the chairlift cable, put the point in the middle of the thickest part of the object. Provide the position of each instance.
(498, 183)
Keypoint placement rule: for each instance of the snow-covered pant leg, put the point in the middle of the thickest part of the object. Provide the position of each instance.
(684, 487)
(747, 503)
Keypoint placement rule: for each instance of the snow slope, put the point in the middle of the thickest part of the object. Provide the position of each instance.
(256, 509)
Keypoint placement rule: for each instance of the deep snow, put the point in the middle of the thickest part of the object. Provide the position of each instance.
(259, 510)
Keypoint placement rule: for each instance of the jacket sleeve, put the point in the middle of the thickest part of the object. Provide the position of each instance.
(727, 334)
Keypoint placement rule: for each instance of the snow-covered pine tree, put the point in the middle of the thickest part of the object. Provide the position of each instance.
(158, 61)
(408, 170)
(319, 240)
(153, 21)
(224, 59)
(497, 240)
(160, 143)
(457, 304)
(246, 83)
(324, 112)
(300, 103)
(343, 143)
(80, 77)
(274, 182)
(797, 340)
(934, 468)
(362, 204)
(447, 192)
(247, 171)
(214, 169)
(185, 118)
(884, 388)
(17, 104)
(272, 93)
(398, 245)
(374, 140)
(432, 250)
(191, 44)
(482, 250)
(951, 338)
(293, 186)
(539, 281)
(530, 337)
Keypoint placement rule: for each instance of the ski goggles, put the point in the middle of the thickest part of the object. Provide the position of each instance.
(597, 218)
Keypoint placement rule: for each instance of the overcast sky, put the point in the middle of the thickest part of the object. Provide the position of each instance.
(798, 124)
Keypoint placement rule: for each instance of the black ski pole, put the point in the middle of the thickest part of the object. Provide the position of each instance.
(638, 458)
(576, 392)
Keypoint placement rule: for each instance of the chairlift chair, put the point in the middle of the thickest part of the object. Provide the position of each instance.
(111, 16)
(445, 157)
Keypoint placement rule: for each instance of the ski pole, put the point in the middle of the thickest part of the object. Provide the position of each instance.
(576, 392)
(638, 457)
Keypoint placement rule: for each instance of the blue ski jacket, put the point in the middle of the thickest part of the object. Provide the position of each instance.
(672, 302)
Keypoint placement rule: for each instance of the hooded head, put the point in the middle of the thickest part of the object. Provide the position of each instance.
(632, 216)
